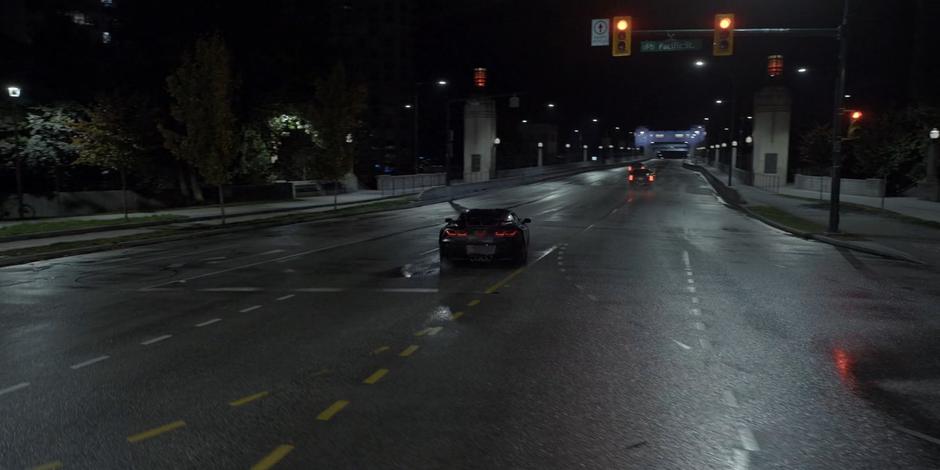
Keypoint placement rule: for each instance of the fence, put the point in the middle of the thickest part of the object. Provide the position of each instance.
(872, 187)
(407, 184)
(767, 182)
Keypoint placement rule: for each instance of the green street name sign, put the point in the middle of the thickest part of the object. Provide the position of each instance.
(671, 45)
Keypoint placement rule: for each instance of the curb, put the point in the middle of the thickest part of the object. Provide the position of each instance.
(184, 219)
(884, 253)
(197, 233)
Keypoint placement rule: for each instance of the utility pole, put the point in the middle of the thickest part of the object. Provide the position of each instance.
(835, 183)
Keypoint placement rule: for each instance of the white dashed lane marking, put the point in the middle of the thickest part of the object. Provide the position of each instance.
(284, 297)
(155, 340)
(208, 322)
(4, 391)
(249, 309)
(682, 345)
(89, 362)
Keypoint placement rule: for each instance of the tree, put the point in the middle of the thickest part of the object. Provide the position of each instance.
(815, 150)
(201, 90)
(48, 146)
(892, 145)
(336, 116)
(108, 138)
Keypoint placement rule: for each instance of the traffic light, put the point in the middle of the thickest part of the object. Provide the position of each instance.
(723, 44)
(855, 117)
(622, 30)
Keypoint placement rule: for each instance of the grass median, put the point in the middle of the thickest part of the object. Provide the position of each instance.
(787, 219)
(35, 228)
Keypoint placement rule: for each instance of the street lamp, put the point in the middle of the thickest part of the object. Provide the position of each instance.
(699, 63)
(408, 106)
(550, 105)
(749, 140)
(706, 119)
(594, 120)
(540, 153)
(933, 188)
(13, 91)
(802, 70)
(525, 121)
(442, 82)
(719, 101)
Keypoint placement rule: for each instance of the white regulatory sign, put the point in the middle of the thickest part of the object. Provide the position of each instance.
(600, 32)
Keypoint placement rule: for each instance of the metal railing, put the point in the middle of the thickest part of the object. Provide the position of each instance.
(408, 184)
(767, 182)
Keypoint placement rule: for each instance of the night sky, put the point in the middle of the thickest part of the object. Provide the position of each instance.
(542, 48)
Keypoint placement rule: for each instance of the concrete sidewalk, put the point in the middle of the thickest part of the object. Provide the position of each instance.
(871, 228)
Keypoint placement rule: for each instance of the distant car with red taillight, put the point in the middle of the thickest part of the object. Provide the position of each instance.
(643, 176)
(485, 235)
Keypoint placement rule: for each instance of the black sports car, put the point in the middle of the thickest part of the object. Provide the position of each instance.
(485, 235)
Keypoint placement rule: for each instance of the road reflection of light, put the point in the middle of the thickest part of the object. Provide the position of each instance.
(844, 366)
(440, 313)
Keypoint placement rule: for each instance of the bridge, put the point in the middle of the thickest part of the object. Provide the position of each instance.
(654, 142)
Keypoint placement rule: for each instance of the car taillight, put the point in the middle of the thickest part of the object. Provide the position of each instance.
(630, 178)
(451, 233)
(629, 167)
(506, 233)
(652, 177)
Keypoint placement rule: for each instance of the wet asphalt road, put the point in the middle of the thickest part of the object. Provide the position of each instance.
(652, 328)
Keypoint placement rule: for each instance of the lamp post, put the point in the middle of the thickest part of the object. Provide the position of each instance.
(734, 160)
(540, 154)
(496, 142)
(933, 186)
(584, 153)
(14, 92)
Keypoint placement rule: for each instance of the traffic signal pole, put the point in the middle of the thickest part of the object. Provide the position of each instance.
(836, 179)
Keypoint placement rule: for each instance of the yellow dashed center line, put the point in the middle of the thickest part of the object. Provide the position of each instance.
(248, 399)
(495, 287)
(380, 350)
(422, 332)
(273, 458)
(332, 410)
(408, 351)
(456, 315)
(156, 431)
(434, 330)
(49, 466)
(473, 303)
(375, 377)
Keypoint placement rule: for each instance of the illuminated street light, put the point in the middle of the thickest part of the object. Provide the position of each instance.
(567, 146)
(848, 95)
(13, 91)
(699, 63)
(934, 134)
(749, 140)
(408, 106)
(525, 121)
(802, 70)
(706, 118)
(719, 101)
(550, 105)
(576, 131)
(724, 145)
(750, 117)
(442, 82)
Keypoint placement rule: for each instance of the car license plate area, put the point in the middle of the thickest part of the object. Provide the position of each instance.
(481, 250)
